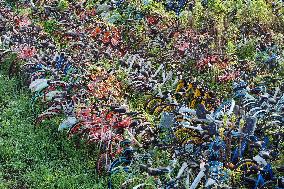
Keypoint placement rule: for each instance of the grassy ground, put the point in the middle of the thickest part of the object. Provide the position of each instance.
(33, 157)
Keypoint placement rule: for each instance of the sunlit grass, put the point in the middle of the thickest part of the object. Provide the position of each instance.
(39, 157)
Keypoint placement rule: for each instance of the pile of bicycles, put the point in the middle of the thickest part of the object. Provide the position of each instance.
(231, 147)
(169, 96)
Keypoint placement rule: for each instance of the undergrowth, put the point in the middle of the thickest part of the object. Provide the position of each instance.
(32, 157)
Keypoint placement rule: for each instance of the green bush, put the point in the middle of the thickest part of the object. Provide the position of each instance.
(63, 5)
(247, 50)
(50, 26)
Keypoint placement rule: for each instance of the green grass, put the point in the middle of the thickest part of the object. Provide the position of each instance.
(39, 157)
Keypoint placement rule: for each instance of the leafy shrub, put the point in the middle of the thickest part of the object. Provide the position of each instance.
(63, 5)
(246, 50)
(254, 11)
(50, 26)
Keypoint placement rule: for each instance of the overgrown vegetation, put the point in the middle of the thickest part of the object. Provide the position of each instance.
(234, 39)
(33, 157)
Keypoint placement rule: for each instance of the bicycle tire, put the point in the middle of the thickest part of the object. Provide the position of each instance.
(244, 166)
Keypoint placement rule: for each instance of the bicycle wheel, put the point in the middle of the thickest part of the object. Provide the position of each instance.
(168, 108)
(184, 133)
(157, 109)
(193, 140)
(152, 102)
(181, 85)
(246, 167)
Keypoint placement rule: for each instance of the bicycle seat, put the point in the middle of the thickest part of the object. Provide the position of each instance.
(265, 155)
(272, 101)
(280, 169)
(119, 110)
(192, 164)
(158, 171)
(134, 124)
(256, 144)
(132, 113)
(201, 111)
(256, 90)
(144, 167)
